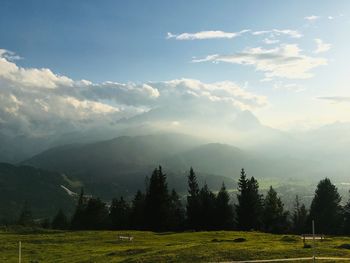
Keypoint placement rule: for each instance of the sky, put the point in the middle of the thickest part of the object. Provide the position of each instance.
(74, 62)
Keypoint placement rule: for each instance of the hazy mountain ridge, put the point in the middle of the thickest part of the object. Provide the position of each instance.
(39, 188)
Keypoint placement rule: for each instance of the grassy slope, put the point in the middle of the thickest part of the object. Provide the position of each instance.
(151, 247)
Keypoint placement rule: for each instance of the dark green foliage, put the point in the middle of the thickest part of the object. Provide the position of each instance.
(224, 210)
(325, 208)
(137, 216)
(40, 188)
(157, 201)
(299, 217)
(207, 208)
(78, 220)
(176, 219)
(120, 214)
(60, 221)
(45, 223)
(96, 215)
(346, 214)
(249, 207)
(193, 204)
(25, 217)
(274, 217)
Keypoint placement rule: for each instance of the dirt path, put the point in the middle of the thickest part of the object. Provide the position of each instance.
(287, 259)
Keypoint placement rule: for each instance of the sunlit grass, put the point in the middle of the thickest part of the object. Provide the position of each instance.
(103, 246)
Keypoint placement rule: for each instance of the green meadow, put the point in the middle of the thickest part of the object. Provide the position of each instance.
(104, 246)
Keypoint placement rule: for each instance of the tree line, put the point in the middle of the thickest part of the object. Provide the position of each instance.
(161, 209)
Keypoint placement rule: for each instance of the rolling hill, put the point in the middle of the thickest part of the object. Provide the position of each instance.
(39, 188)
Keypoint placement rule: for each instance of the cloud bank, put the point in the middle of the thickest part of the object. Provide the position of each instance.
(38, 102)
(284, 61)
(211, 34)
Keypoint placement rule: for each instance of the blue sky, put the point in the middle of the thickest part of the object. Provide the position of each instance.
(126, 41)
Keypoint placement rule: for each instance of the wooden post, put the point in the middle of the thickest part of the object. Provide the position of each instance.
(19, 252)
(313, 240)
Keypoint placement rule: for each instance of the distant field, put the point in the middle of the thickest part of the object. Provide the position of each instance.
(103, 246)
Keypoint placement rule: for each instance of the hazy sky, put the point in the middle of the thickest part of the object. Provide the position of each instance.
(69, 61)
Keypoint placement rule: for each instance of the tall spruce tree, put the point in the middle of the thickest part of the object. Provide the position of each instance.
(176, 219)
(78, 221)
(299, 217)
(193, 204)
(224, 210)
(346, 214)
(157, 201)
(274, 217)
(96, 215)
(138, 208)
(207, 202)
(26, 217)
(120, 214)
(60, 221)
(325, 208)
(249, 207)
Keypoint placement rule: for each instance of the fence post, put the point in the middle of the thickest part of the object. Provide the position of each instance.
(19, 252)
(313, 240)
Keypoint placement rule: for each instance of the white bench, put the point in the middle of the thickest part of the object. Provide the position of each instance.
(128, 238)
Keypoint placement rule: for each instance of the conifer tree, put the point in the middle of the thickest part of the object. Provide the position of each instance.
(193, 205)
(325, 208)
(157, 201)
(60, 221)
(224, 211)
(96, 215)
(346, 214)
(299, 217)
(25, 217)
(78, 220)
(207, 201)
(120, 214)
(177, 213)
(274, 217)
(137, 214)
(249, 207)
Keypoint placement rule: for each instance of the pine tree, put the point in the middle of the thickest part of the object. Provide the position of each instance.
(25, 217)
(242, 208)
(78, 221)
(60, 221)
(299, 217)
(274, 217)
(256, 204)
(346, 214)
(249, 207)
(157, 201)
(120, 214)
(177, 213)
(325, 208)
(193, 205)
(207, 202)
(224, 211)
(137, 214)
(96, 215)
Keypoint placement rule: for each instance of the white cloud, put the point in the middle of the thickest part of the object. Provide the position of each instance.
(212, 34)
(288, 86)
(215, 34)
(335, 99)
(39, 102)
(321, 46)
(269, 41)
(278, 32)
(312, 18)
(285, 61)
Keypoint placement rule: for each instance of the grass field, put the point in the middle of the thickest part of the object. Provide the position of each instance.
(103, 246)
